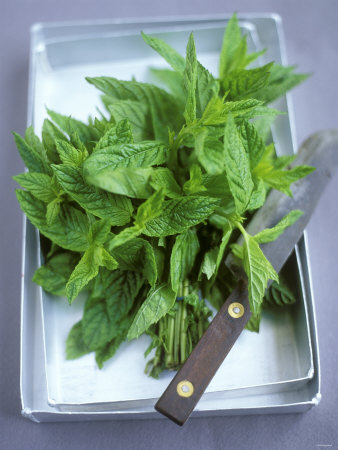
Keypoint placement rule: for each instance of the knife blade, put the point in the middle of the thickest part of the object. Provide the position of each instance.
(183, 393)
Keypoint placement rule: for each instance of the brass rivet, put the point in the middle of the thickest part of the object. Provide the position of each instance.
(236, 310)
(185, 388)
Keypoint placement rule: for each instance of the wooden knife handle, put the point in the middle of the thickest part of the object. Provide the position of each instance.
(183, 393)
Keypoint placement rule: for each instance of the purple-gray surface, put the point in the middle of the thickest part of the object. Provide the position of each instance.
(312, 42)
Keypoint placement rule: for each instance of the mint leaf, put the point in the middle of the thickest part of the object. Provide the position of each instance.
(282, 179)
(173, 81)
(115, 208)
(210, 153)
(258, 195)
(53, 210)
(195, 183)
(69, 230)
(183, 257)
(208, 266)
(138, 115)
(259, 271)
(86, 270)
(190, 81)
(51, 134)
(252, 142)
(172, 57)
(69, 125)
(158, 302)
(254, 322)
(245, 83)
(69, 154)
(130, 182)
(121, 287)
(231, 41)
(137, 155)
(163, 178)
(96, 330)
(33, 160)
(53, 275)
(271, 234)
(119, 134)
(150, 209)
(281, 80)
(75, 345)
(180, 214)
(39, 184)
(237, 167)
(138, 255)
(161, 103)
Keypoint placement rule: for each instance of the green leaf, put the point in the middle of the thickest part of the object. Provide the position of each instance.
(282, 179)
(121, 287)
(172, 57)
(183, 257)
(252, 142)
(51, 134)
(75, 345)
(69, 230)
(96, 328)
(106, 352)
(137, 155)
(190, 81)
(279, 294)
(210, 153)
(159, 301)
(69, 125)
(162, 105)
(150, 209)
(53, 275)
(271, 234)
(86, 270)
(137, 114)
(172, 81)
(259, 271)
(99, 231)
(163, 178)
(137, 255)
(231, 40)
(53, 210)
(244, 83)
(124, 181)
(206, 89)
(237, 167)
(258, 195)
(208, 266)
(281, 80)
(121, 133)
(180, 214)
(263, 127)
(216, 111)
(195, 183)
(33, 160)
(39, 184)
(115, 208)
(124, 236)
(254, 322)
(69, 154)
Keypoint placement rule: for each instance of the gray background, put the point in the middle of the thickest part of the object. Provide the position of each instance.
(312, 42)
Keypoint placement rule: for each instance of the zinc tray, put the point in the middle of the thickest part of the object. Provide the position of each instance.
(276, 370)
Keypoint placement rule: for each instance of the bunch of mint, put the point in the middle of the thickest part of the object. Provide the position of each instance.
(141, 207)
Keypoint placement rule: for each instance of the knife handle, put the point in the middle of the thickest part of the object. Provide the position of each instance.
(183, 393)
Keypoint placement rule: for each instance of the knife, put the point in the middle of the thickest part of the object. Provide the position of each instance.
(183, 393)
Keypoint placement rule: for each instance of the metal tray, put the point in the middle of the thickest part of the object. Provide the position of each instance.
(262, 369)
